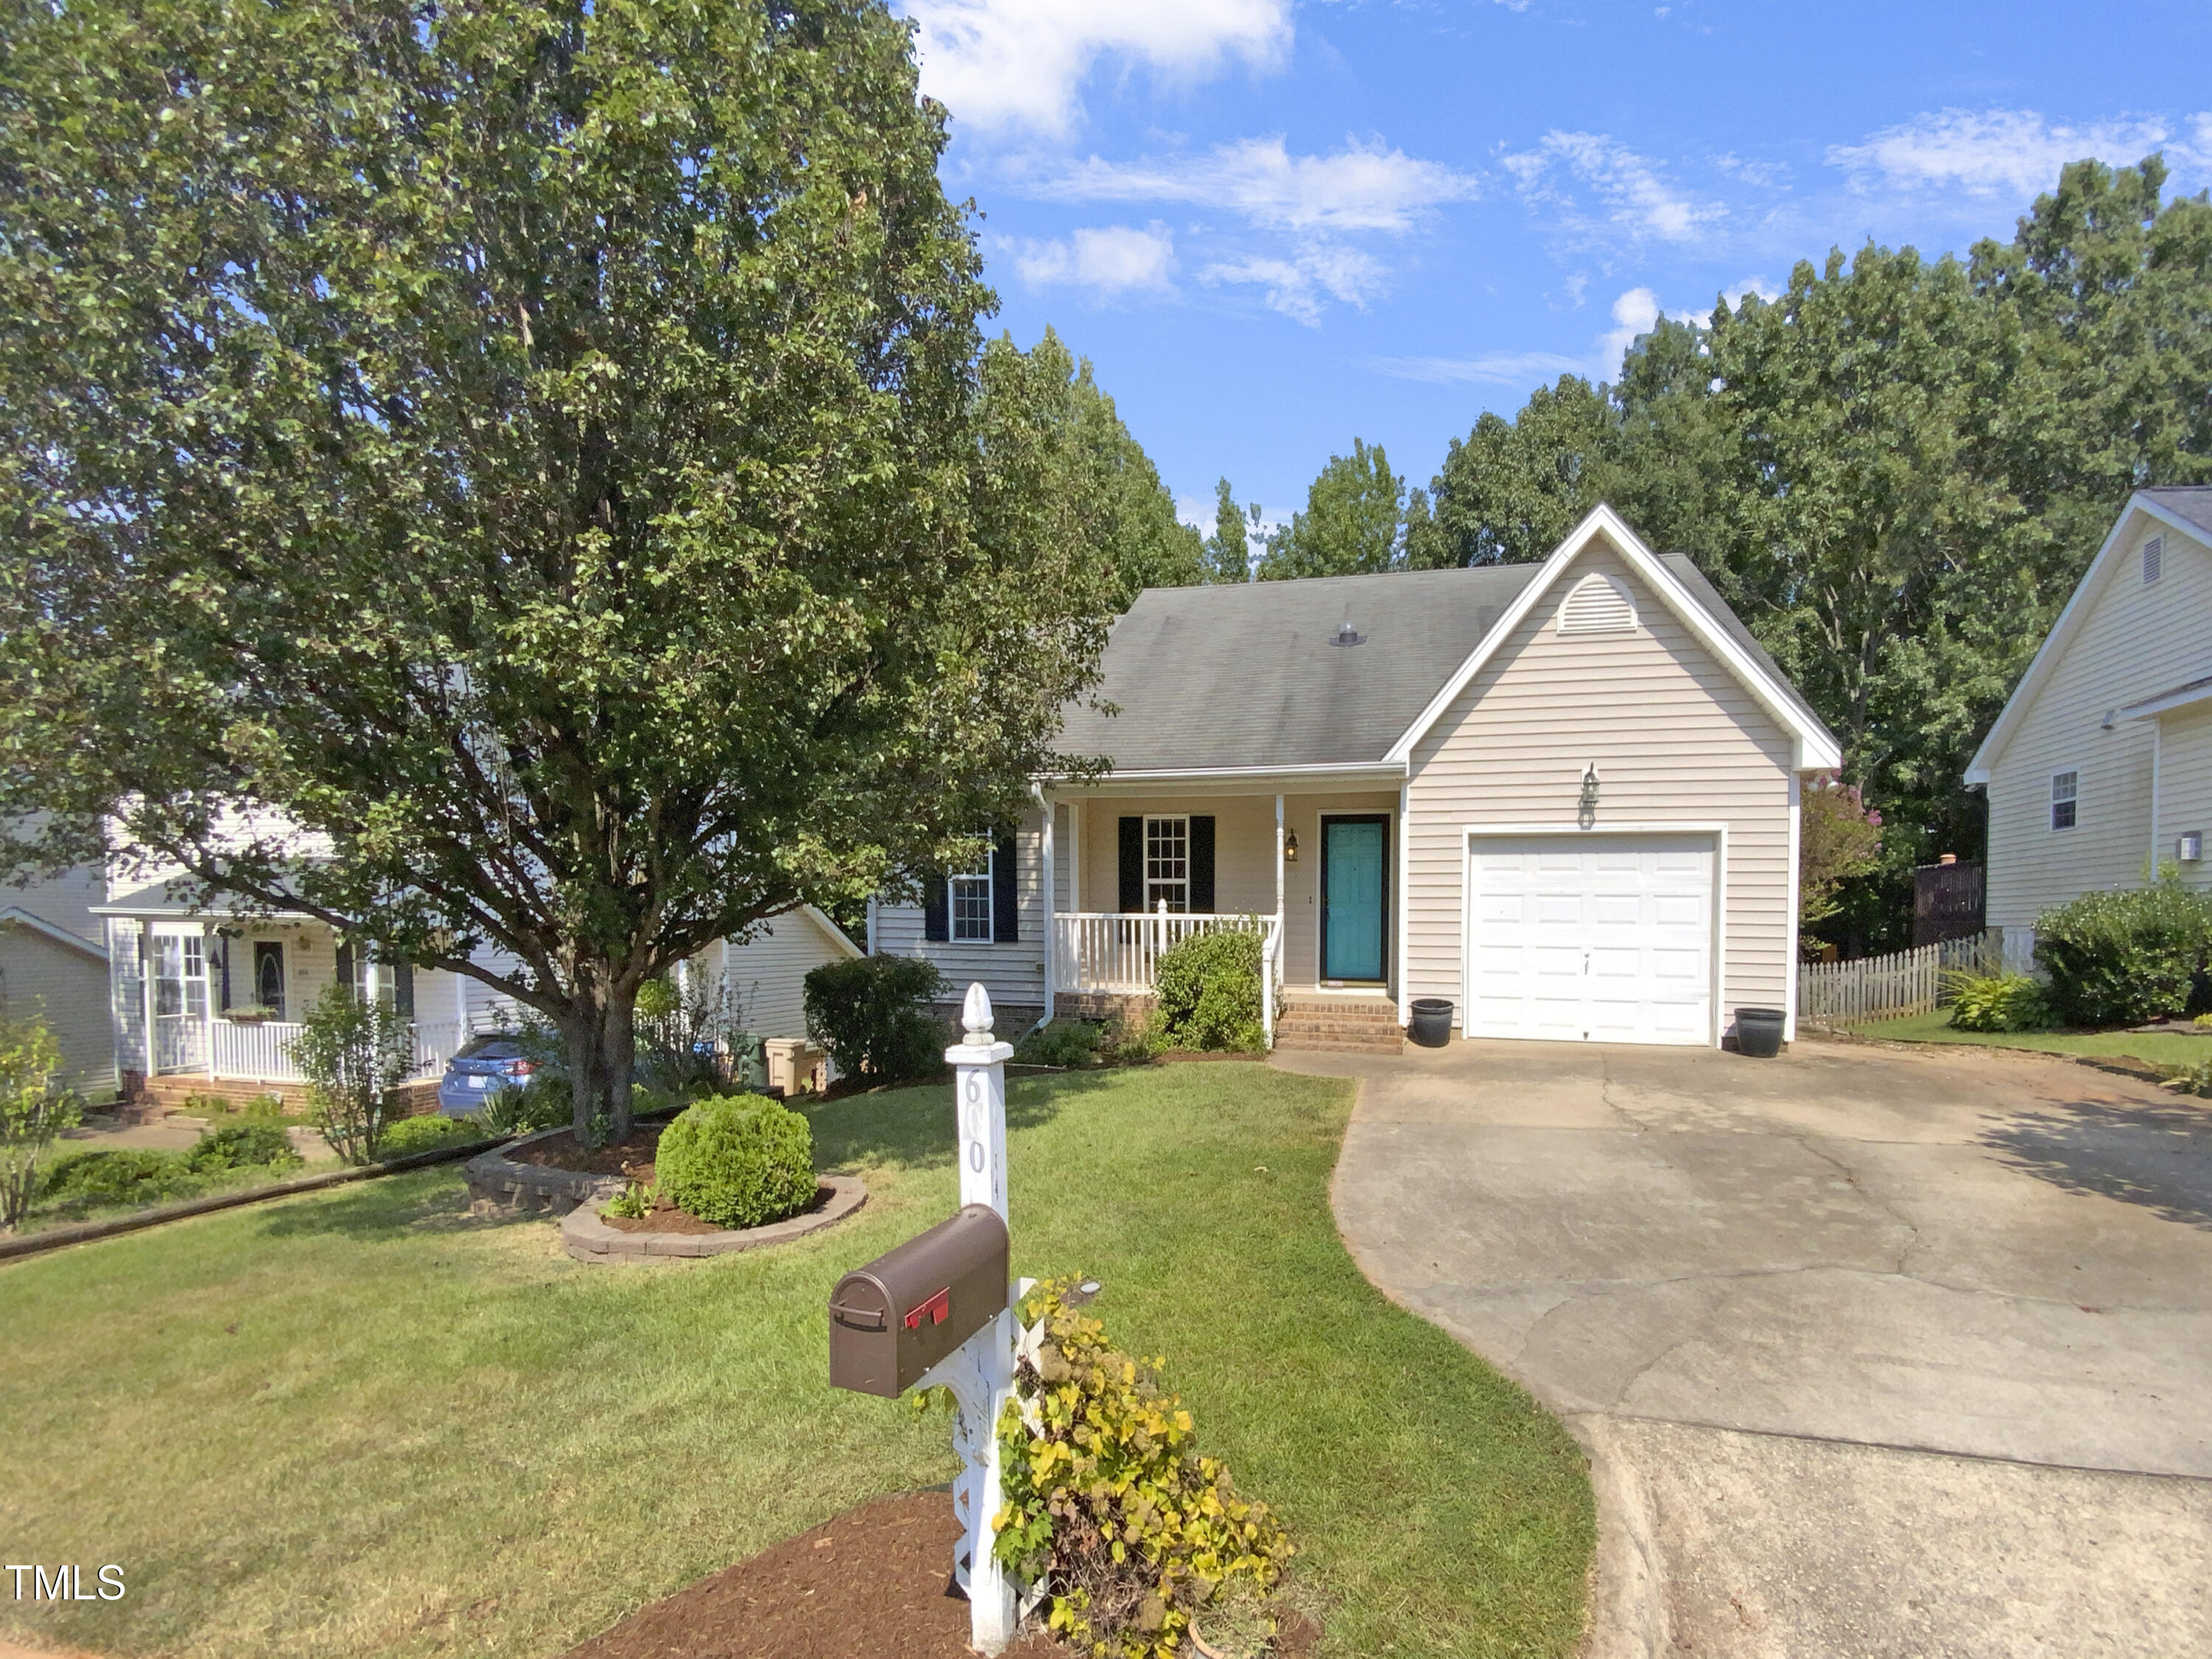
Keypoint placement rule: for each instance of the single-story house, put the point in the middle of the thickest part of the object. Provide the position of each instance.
(2099, 771)
(1563, 796)
(53, 964)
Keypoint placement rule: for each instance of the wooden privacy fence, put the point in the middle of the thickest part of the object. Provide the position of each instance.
(1892, 986)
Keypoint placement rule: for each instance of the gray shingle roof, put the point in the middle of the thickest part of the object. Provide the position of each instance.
(2190, 501)
(1245, 675)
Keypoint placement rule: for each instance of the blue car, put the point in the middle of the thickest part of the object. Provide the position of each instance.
(481, 1069)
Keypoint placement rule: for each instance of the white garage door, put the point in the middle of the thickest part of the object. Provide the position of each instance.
(1592, 937)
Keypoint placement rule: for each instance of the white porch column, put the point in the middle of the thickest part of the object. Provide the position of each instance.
(1051, 932)
(209, 939)
(1282, 921)
(460, 1010)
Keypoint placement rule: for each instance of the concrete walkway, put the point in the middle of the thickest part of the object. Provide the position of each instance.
(1874, 1352)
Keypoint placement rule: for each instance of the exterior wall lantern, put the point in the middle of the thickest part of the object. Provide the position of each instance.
(1290, 848)
(1586, 807)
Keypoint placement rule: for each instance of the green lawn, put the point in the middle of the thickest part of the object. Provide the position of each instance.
(2160, 1047)
(362, 1423)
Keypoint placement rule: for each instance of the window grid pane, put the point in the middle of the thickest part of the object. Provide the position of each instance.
(2064, 790)
(1167, 864)
(968, 894)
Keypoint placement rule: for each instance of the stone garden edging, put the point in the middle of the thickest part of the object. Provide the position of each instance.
(498, 1182)
(588, 1237)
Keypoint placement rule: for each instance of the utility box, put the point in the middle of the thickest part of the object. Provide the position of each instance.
(892, 1320)
(794, 1064)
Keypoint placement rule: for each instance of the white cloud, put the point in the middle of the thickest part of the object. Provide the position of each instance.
(1630, 192)
(1295, 285)
(1109, 260)
(1634, 313)
(1365, 186)
(1018, 64)
(2012, 153)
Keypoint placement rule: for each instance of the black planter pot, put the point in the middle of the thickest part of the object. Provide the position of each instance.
(1759, 1031)
(1431, 1023)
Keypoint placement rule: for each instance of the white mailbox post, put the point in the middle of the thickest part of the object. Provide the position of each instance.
(981, 1372)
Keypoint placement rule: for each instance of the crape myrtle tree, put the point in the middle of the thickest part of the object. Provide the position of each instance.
(539, 454)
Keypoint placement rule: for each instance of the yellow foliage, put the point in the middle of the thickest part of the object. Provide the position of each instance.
(1108, 1502)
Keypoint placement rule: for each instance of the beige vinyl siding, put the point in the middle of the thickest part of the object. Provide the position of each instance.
(1676, 738)
(2184, 786)
(2133, 642)
(66, 900)
(68, 988)
(1013, 974)
(767, 973)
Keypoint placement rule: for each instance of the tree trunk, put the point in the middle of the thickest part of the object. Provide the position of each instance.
(584, 1028)
(617, 1053)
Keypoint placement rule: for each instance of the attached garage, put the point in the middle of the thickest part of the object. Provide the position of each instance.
(1593, 937)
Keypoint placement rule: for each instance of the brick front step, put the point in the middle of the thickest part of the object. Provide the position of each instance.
(1374, 1009)
(1323, 1025)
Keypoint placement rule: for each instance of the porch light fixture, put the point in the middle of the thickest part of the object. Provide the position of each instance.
(1586, 807)
(1290, 848)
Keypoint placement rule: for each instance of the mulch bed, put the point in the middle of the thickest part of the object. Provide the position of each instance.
(667, 1218)
(875, 1584)
(631, 1157)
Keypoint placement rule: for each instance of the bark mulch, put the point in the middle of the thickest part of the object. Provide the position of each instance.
(875, 1584)
(632, 1157)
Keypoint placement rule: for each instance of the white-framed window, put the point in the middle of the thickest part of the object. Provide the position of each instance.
(2154, 552)
(1167, 864)
(968, 897)
(2065, 791)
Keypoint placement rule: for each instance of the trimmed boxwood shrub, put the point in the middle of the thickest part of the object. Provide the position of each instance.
(737, 1161)
(2123, 957)
(1209, 992)
(872, 1014)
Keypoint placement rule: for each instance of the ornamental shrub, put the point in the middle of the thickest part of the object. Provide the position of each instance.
(240, 1146)
(2121, 957)
(1063, 1042)
(1209, 992)
(1110, 1509)
(1997, 1002)
(427, 1134)
(737, 1161)
(123, 1176)
(32, 1112)
(873, 1015)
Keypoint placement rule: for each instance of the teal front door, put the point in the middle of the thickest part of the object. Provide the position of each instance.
(1353, 888)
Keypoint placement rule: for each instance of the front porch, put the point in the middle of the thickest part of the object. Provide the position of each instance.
(1313, 872)
(211, 1005)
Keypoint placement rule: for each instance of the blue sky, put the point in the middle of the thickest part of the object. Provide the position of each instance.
(1275, 226)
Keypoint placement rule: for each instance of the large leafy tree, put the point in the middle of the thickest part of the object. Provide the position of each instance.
(1127, 514)
(1229, 548)
(1352, 524)
(539, 450)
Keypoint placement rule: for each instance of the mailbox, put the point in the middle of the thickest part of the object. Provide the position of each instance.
(892, 1320)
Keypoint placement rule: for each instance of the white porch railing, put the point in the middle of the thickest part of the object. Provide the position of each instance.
(1121, 951)
(261, 1051)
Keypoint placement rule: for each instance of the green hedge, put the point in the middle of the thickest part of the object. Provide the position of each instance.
(1209, 992)
(873, 1015)
(2123, 958)
(737, 1161)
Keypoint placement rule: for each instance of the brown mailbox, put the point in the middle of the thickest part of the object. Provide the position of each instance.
(892, 1320)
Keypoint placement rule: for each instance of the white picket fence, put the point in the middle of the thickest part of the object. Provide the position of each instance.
(1892, 986)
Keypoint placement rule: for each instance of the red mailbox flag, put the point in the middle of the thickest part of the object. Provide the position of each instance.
(939, 1309)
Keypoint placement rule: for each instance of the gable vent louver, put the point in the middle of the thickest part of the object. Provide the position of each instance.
(1598, 603)
(2153, 559)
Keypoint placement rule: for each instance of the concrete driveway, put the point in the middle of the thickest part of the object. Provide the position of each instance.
(1874, 1352)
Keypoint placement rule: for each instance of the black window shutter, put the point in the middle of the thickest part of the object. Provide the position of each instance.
(936, 919)
(1005, 894)
(1201, 864)
(345, 968)
(1133, 866)
(403, 989)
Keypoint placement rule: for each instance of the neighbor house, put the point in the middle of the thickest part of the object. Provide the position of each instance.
(2099, 772)
(209, 1000)
(1563, 796)
(53, 964)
